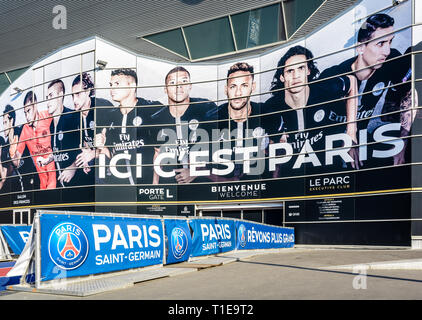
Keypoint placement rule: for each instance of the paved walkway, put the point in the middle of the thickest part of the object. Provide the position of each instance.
(302, 273)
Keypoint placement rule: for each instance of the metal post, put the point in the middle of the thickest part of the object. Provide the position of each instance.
(164, 242)
(37, 234)
(284, 213)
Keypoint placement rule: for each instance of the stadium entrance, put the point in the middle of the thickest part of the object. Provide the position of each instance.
(268, 213)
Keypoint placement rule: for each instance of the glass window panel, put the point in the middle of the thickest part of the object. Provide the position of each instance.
(258, 27)
(172, 40)
(13, 75)
(211, 214)
(274, 217)
(253, 215)
(209, 38)
(232, 214)
(4, 83)
(297, 11)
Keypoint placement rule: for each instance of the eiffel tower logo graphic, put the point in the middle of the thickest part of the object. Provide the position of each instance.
(242, 238)
(69, 248)
(178, 246)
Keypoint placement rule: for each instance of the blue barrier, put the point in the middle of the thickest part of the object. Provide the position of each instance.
(179, 240)
(80, 245)
(261, 236)
(212, 236)
(16, 237)
(83, 245)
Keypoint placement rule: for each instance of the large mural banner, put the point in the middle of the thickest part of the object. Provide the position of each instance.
(316, 117)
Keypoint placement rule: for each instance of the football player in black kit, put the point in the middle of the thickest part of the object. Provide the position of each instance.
(83, 94)
(65, 135)
(121, 133)
(3, 169)
(376, 67)
(186, 122)
(301, 115)
(241, 134)
(11, 180)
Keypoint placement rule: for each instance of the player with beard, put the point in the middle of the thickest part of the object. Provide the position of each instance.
(35, 136)
(301, 117)
(186, 122)
(376, 67)
(240, 127)
(124, 131)
(83, 94)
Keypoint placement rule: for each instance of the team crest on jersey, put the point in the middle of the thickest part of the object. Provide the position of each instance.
(241, 235)
(137, 121)
(378, 88)
(68, 246)
(319, 115)
(258, 132)
(179, 242)
(193, 124)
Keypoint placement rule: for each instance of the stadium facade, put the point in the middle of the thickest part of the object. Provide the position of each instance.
(296, 113)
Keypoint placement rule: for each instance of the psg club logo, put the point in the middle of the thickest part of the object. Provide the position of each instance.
(378, 88)
(68, 246)
(193, 124)
(179, 242)
(137, 121)
(319, 115)
(241, 235)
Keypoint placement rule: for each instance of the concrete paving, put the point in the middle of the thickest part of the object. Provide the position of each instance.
(100, 283)
(302, 273)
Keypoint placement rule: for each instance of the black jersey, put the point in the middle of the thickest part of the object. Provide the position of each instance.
(375, 96)
(236, 137)
(65, 141)
(86, 176)
(87, 128)
(297, 123)
(178, 136)
(306, 129)
(129, 141)
(12, 182)
(87, 124)
(381, 93)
